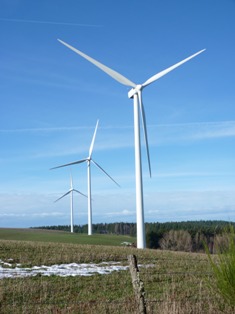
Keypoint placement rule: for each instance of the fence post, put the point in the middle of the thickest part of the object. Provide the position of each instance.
(138, 284)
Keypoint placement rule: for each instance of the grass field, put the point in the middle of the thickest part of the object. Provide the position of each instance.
(62, 237)
(174, 282)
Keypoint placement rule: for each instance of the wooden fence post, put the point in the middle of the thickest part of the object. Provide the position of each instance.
(138, 284)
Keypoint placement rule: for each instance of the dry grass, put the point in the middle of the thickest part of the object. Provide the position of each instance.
(174, 282)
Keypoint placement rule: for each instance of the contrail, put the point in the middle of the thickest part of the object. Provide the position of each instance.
(207, 129)
(48, 22)
(58, 129)
(36, 130)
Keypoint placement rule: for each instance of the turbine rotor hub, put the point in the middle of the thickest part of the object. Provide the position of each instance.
(135, 90)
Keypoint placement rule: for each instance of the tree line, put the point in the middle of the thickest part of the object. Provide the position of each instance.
(177, 236)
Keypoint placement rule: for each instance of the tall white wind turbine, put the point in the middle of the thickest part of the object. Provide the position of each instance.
(89, 160)
(136, 94)
(71, 190)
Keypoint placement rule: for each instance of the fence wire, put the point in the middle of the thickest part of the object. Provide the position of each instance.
(172, 285)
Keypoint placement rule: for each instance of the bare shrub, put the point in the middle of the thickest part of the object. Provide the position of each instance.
(177, 240)
(199, 242)
(221, 242)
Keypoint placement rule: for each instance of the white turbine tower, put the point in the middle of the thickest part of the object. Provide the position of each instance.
(71, 190)
(89, 160)
(136, 94)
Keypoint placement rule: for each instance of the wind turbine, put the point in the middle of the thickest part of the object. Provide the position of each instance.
(89, 160)
(71, 190)
(136, 94)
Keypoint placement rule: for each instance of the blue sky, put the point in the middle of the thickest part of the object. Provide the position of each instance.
(51, 99)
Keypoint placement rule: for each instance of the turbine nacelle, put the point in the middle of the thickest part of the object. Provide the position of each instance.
(135, 90)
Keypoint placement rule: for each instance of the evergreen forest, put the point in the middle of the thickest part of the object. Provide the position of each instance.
(189, 236)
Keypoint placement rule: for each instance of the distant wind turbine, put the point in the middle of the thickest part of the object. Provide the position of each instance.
(89, 159)
(136, 94)
(71, 190)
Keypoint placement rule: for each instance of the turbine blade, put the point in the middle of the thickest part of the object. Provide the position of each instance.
(104, 172)
(69, 164)
(80, 192)
(93, 139)
(62, 196)
(115, 75)
(164, 72)
(145, 129)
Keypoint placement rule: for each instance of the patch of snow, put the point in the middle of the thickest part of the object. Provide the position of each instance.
(62, 270)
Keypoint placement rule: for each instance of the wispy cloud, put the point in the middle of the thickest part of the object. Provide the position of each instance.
(122, 213)
(195, 131)
(191, 174)
(48, 22)
(159, 206)
(116, 137)
(214, 129)
(33, 215)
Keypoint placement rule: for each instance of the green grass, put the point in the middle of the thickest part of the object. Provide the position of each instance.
(224, 268)
(62, 237)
